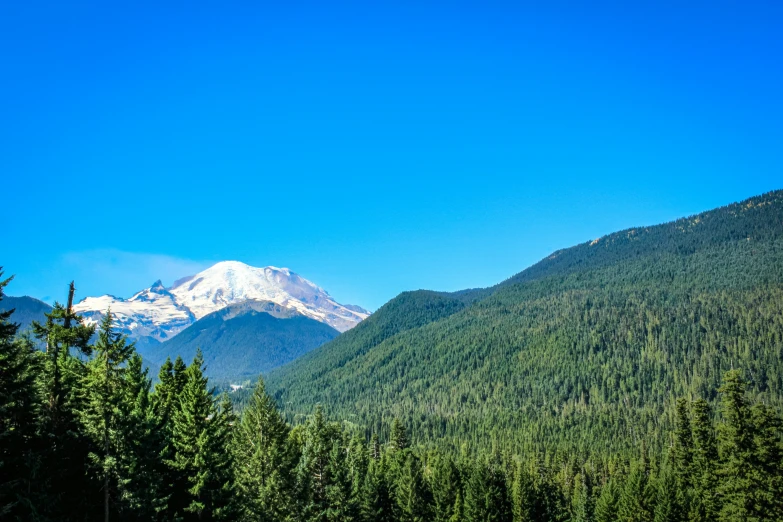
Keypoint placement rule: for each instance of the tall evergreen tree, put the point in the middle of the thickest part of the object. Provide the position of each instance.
(606, 506)
(768, 458)
(736, 451)
(582, 502)
(398, 439)
(669, 500)
(636, 502)
(523, 495)
(144, 471)
(65, 456)
(412, 496)
(486, 495)
(375, 503)
(340, 503)
(313, 472)
(445, 485)
(200, 437)
(102, 413)
(682, 450)
(264, 461)
(703, 502)
(20, 406)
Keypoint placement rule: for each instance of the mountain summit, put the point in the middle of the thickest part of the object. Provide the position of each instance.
(231, 282)
(156, 314)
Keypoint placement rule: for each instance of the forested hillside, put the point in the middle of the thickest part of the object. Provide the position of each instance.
(26, 310)
(85, 437)
(581, 352)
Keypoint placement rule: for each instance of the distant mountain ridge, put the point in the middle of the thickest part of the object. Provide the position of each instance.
(157, 314)
(26, 310)
(242, 340)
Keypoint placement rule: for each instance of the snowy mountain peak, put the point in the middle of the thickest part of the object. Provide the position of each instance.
(230, 282)
(159, 313)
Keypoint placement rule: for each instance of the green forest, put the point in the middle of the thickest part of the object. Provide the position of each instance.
(584, 352)
(85, 437)
(634, 378)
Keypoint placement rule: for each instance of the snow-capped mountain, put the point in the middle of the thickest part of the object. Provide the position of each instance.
(159, 313)
(231, 282)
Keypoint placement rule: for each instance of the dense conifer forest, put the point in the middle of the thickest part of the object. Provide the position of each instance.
(640, 381)
(583, 352)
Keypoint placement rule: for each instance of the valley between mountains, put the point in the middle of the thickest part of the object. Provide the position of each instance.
(590, 344)
(636, 376)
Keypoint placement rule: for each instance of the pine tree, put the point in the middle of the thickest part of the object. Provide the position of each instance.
(20, 405)
(637, 498)
(312, 472)
(669, 501)
(264, 461)
(201, 461)
(164, 396)
(339, 499)
(606, 506)
(141, 458)
(457, 512)
(703, 502)
(69, 489)
(523, 495)
(445, 487)
(412, 497)
(486, 496)
(582, 499)
(682, 451)
(165, 401)
(179, 376)
(358, 459)
(102, 416)
(398, 440)
(375, 447)
(375, 500)
(768, 458)
(736, 451)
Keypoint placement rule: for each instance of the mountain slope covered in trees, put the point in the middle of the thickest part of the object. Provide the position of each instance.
(581, 351)
(26, 310)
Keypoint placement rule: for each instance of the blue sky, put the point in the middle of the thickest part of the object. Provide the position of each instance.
(371, 147)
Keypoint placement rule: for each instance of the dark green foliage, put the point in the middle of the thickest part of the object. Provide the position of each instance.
(637, 499)
(341, 504)
(606, 506)
(579, 353)
(201, 462)
(313, 471)
(375, 502)
(244, 342)
(264, 461)
(20, 408)
(669, 500)
(524, 500)
(399, 436)
(703, 504)
(65, 445)
(486, 495)
(104, 420)
(445, 484)
(750, 453)
(411, 495)
(582, 499)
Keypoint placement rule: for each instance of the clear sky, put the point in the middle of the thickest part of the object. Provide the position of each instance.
(371, 147)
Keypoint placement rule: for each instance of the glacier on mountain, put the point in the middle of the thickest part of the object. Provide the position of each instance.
(159, 313)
